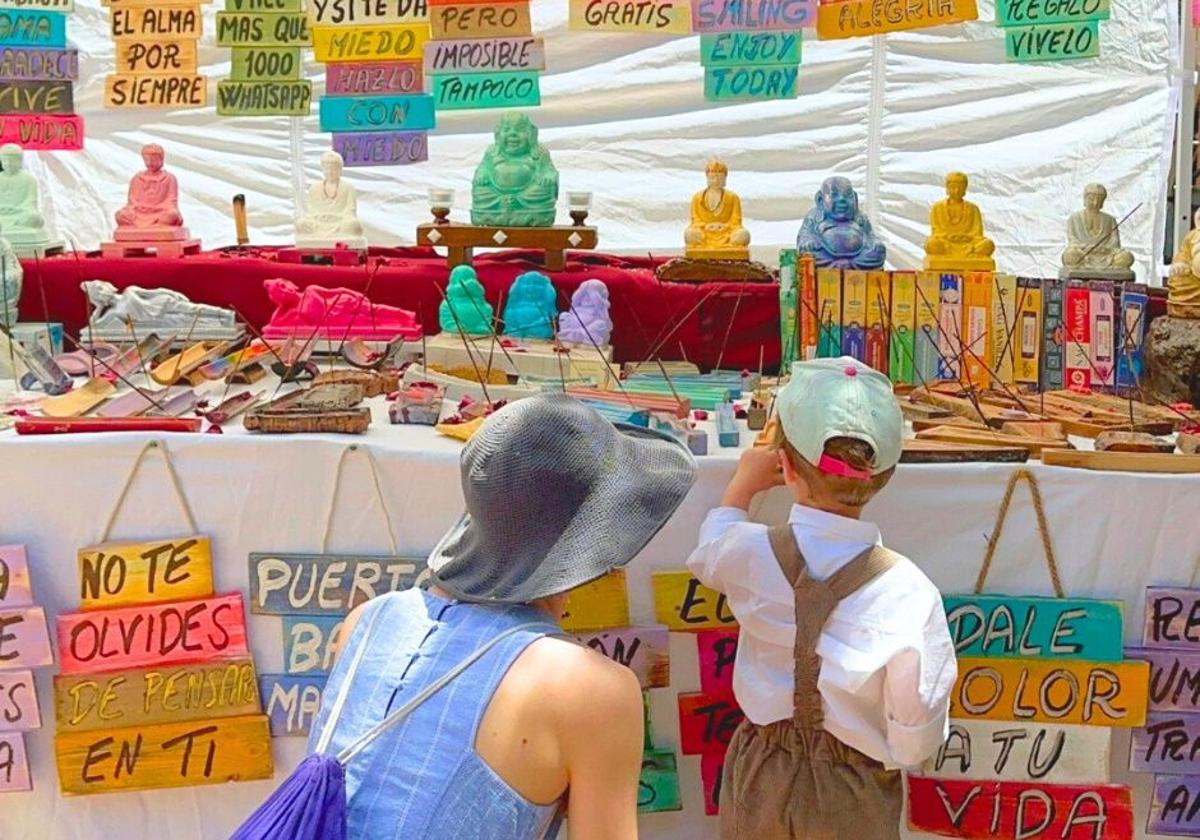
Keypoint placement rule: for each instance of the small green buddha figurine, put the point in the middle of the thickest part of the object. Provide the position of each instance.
(20, 210)
(465, 309)
(516, 184)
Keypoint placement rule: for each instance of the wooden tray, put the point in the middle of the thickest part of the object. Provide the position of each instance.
(79, 401)
(1146, 462)
(323, 408)
(944, 452)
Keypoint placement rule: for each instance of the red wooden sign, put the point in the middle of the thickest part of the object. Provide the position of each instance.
(711, 768)
(707, 723)
(717, 651)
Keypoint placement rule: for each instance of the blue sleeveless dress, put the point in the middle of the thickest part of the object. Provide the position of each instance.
(423, 778)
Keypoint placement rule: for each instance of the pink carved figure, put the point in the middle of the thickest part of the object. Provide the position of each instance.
(340, 314)
(152, 211)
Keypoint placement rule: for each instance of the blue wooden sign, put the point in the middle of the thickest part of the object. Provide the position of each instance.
(1053, 628)
(326, 584)
(310, 643)
(291, 702)
(406, 112)
(31, 28)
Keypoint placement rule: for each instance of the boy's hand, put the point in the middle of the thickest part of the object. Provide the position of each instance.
(758, 470)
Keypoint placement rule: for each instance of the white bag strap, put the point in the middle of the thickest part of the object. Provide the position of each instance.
(336, 711)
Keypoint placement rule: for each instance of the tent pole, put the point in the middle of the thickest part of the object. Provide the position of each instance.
(1186, 133)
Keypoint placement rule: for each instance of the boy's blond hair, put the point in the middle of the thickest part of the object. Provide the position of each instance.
(851, 492)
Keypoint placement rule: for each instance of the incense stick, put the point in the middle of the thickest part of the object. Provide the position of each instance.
(729, 327)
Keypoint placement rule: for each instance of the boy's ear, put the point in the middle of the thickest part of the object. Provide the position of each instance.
(789, 470)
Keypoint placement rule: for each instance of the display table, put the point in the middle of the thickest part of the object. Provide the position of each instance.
(415, 278)
(257, 493)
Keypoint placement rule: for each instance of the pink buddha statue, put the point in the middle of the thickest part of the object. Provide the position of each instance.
(152, 212)
(338, 314)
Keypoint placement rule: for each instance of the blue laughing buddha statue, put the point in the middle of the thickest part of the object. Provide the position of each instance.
(465, 310)
(836, 233)
(531, 309)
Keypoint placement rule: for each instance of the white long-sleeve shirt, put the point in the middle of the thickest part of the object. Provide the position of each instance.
(887, 662)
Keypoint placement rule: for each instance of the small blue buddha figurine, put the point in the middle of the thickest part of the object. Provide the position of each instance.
(836, 233)
(531, 310)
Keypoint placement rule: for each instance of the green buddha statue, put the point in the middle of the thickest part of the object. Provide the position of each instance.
(516, 184)
(20, 206)
(465, 309)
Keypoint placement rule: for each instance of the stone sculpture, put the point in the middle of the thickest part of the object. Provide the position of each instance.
(161, 311)
(343, 314)
(587, 321)
(332, 213)
(20, 203)
(11, 275)
(531, 310)
(957, 241)
(516, 184)
(837, 233)
(1094, 242)
(465, 309)
(1183, 282)
(151, 213)
(716, 231)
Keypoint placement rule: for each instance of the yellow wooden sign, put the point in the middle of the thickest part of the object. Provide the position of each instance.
(599, 605)
(1052, 691)
(85, 702)
(165, 755)
(125, 90)
(480, 20)
(369, 43)
(122, 573)
(144, 57)
(156, 21)
(664, 17)
(854, 18)
(683, 603)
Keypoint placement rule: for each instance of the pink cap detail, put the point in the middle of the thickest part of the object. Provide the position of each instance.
(834, 466)
(851, 370)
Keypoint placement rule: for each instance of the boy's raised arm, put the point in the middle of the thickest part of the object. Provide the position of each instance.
(917, 695)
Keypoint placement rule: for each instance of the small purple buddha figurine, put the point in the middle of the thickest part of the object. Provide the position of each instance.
(587, 320)
(836, 233)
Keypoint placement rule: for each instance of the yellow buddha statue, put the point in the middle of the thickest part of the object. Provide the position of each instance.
(716, 231)
(1183, 282)
(956, 241)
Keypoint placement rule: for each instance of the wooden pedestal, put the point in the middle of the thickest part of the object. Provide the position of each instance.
(462, 240)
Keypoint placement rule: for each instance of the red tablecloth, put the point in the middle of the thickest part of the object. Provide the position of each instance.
(644, 309)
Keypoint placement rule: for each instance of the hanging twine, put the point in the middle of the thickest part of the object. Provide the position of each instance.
(1044, 529)
(337, 483)
(161, 448)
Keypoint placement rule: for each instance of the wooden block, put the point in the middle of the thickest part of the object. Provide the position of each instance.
(261, 64)
(477, 20)
(682, 603)
(326, 584)
(266, 98)
(37, 64)
(164, 755)
(263, 5)
(262, 29)
(65, 6)
(24, 639)
(602, 604)
(1035, 12)
(406, 112)
(18, 702)
(14, 763)
(355, 12)
(1146, 462)
(916, 451)
(644, 650)
(1174, 678)
(37, 97)
(987, 437)
(310, 643)
(33, 28)
(658, 786)
(292, 702)
(369, 43)
(160, 91)
(707, 723)
(475, 91)
(485, 55)
(860, 18)
(712, 767)
(1051, 691)
(1054, 628)
(667, 17)
(718, 651)
(752, 15)
(1114, 441)
(1019, 752)
(373, 78)
(987, 809)
(156, 57)
(753, 82)
(1055, 42)
(1188, 443)
(744, 49)
(152, 635)
(120, 573)
(1173, 806)
(382, 148)
(148, 22)
(1172, 618)
(15, 589)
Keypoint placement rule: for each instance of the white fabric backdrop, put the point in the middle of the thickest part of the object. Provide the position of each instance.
(625, 117)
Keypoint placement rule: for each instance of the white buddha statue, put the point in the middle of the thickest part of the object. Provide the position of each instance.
(332, 213)
(11, 275)
(1094, 241)
(20, 203)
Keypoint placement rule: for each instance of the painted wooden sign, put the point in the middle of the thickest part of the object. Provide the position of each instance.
(151, 22)
(775, 81)
(682, 603)
(658, 786)
(35, 64)
(1055, 628)
(742, 49)
(120, 573)
(66, 6)
(263, 5)
(310, 643)
(707, 722)
(87, 702)
(156, 57)
(712, 767)
(386, 148)
(379, 77)
(14, 763)
(369, 43)
(263, 64)
(18, 702)
(1018, 752)
(160, 91)
(164, 755)
(1175, 806)
(1051, 691)
(326, 584)
(37, 98)
(478, 20)
(152, 635)
(656, 17)
(857, 18)
(1057, 42)
(599, 605)
(1172, 618)
(291, 702)
(644, 650)
(405, 112)
(1024, 810)
(745, 15)
(33, 28)
(474, 91)
(1040, 12)
(1174, 679)
(262, 29)
(44, 132)
(358, 12)
(24, 639)
(265, 98)
(1168, 743)
(15, 589)
(718, 650)
(485, 55)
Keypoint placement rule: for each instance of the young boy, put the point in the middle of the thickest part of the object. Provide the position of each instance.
(844, 665)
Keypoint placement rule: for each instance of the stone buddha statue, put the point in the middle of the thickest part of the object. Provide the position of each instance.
(465, 308)
(1183, 281)
(152, 211)
(20, 204)
(716, 231)
(531, 311)
(1094, 241)
(516, 184)
(11, 275)
(331, 216)
(587, 320)
(837, 233)
(956, 241)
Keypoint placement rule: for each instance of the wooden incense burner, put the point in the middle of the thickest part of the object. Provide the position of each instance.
(322, 408)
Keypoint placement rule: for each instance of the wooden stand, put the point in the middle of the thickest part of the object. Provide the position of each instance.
(695, 270)
(322, 256)
(161, 248)
(462, 240)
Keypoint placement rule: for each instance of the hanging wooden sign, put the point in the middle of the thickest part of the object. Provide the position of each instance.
(1018, 752)
(15, 589)
(369, 43)
(682, 603)
(1168, 743)
(154, 21)
(149, 57)
(476, 91)
(407, 112)
(707, 722)
(1174, 679)
(1175, 806)
(33, 28)
(1054, 42)
(164, 755)
(262, 29)
(712, 768)
(66, 6)
(1006, 626)
(310, 643)
(600, 605)
(742, 49)
(266, 98)
(385, 148)
(776, 81)
(485, 55)
(656, 17)
(39, 65)
(658, 786)
(1040, 12)
(356, 12)
(120, 573)
(326, 584)
(378, 77)
(14, 763)
(1172, 618)
(263, 5)
(24, 640)
(42, 132)
(644, 650)
(291, 702)
(860, 18)
(18, 702)
(262, 64)
(158, 91)
(37, 98)
(748, 15)
(478, 20)
(718, 650)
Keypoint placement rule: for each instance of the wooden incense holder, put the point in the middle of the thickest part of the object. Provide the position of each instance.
(323, 408)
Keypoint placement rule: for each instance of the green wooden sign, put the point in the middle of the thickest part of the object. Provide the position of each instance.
(469, 91)
(770, 81)
(734, 49)
(1057, 42)
(1040, 12)
(263, 6)
(262, 64)
(262, 99)
(262, 29)
(1049, 628)
(658, 787)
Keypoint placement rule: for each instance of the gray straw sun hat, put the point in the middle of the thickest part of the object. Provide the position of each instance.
(556, 496)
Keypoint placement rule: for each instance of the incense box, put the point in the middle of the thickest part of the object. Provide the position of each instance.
(1004, 327)
(902, 321)
(1131, 323)
(879, 293)
(1053, 369)
(854, 314)
(1027, 339)
(925, 336)
(949, 326)
(829, 308)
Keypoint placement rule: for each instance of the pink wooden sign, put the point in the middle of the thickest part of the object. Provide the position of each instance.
(360, 79)
(752, 15)
(15, 590)
(644, 650)
(153, 634)
(14, 763)
(18, 701)
(24, 642)
(1195, 12)
(711, 768)
(42, 132)
(718, 648)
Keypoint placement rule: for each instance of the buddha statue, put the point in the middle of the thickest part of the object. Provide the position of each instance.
(587, 321)
(956, 241)
(163, 311)
(331, 216)
(20, 204)
(1094, 242)
(516, 184)
(1183, 281)
(837, 233)
(11, 275)
(465, 309)
(152, 211)
(716, 231)
(531, 310)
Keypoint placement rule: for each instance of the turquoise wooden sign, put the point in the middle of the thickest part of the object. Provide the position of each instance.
(773, 81)
(1056, 42)
(408, 112)
(470, 91)
(1051, 628)
(736, 49)
(1040, 12)
(31, 28)
(310, 643)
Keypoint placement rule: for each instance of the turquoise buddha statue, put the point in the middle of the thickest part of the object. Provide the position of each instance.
(531, 310)
(465, 309)
(836, 233)
(20, 206)
(516, 184)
